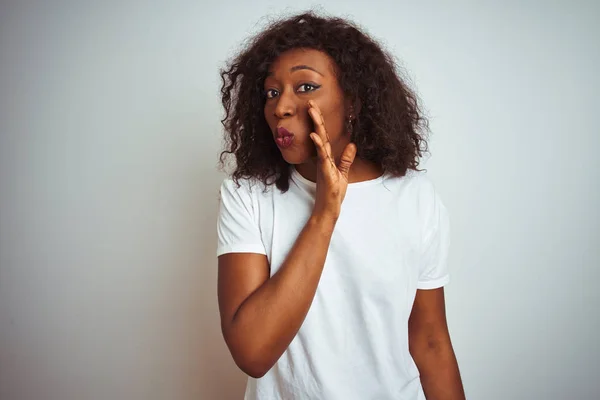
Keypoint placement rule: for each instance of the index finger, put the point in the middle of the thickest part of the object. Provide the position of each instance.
(317, 117)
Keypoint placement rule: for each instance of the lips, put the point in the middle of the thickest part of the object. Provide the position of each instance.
(282, 132)
(284, 137)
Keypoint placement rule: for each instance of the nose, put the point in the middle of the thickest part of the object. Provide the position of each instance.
(286, 106)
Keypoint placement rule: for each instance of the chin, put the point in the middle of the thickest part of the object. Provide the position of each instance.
(296, 156)
(295, 159)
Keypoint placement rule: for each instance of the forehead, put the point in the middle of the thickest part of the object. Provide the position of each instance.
(310, 57)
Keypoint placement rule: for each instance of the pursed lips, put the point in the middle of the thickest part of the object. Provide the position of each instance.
(282, 132)
(284, 138)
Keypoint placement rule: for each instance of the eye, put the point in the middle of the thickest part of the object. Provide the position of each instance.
(308, 87)
(270, 93)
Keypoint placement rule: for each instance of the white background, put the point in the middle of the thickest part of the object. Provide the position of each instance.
(109, 136)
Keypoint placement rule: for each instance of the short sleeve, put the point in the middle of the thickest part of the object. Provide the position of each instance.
(237, 225)
(433, 272)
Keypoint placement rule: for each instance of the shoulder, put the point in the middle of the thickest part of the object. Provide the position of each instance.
(244, 188)
(230, 185)
(417, 191)
(424, 186)
(416, 184)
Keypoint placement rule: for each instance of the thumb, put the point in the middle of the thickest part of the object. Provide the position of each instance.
(347, 159)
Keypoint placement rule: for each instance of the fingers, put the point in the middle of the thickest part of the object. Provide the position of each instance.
(317, 117)
(321, 151)
(347, 159)
(323, 145)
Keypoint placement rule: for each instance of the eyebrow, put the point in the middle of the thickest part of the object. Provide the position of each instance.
(299, 67)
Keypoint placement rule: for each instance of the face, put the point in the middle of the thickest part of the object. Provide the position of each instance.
(296, 77)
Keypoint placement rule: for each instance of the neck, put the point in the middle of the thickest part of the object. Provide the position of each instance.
(360, 171)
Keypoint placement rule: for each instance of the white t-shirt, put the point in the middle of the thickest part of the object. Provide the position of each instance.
(391, 239)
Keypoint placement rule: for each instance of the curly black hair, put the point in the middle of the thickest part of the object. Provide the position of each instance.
(389, 130)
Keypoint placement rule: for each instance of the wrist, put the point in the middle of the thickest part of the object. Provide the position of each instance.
(325, 220)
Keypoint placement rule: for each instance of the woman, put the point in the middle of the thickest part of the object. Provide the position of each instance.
(332, 245)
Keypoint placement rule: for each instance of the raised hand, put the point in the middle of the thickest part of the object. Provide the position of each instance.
(332, 179)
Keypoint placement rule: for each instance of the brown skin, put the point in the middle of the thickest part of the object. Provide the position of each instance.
(260, 315)
(431, 348)
(298, 76)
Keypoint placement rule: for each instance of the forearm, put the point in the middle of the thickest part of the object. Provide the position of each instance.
(267, 321)
(440, 376)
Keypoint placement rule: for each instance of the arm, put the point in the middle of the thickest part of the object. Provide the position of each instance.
(261, 316)
(431, 348)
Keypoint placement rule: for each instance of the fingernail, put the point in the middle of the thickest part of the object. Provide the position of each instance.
(310, 103)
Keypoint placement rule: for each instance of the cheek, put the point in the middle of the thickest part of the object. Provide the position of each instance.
(333, 114)
(334, 123)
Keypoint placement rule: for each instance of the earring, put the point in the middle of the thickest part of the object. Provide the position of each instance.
(349, 126)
